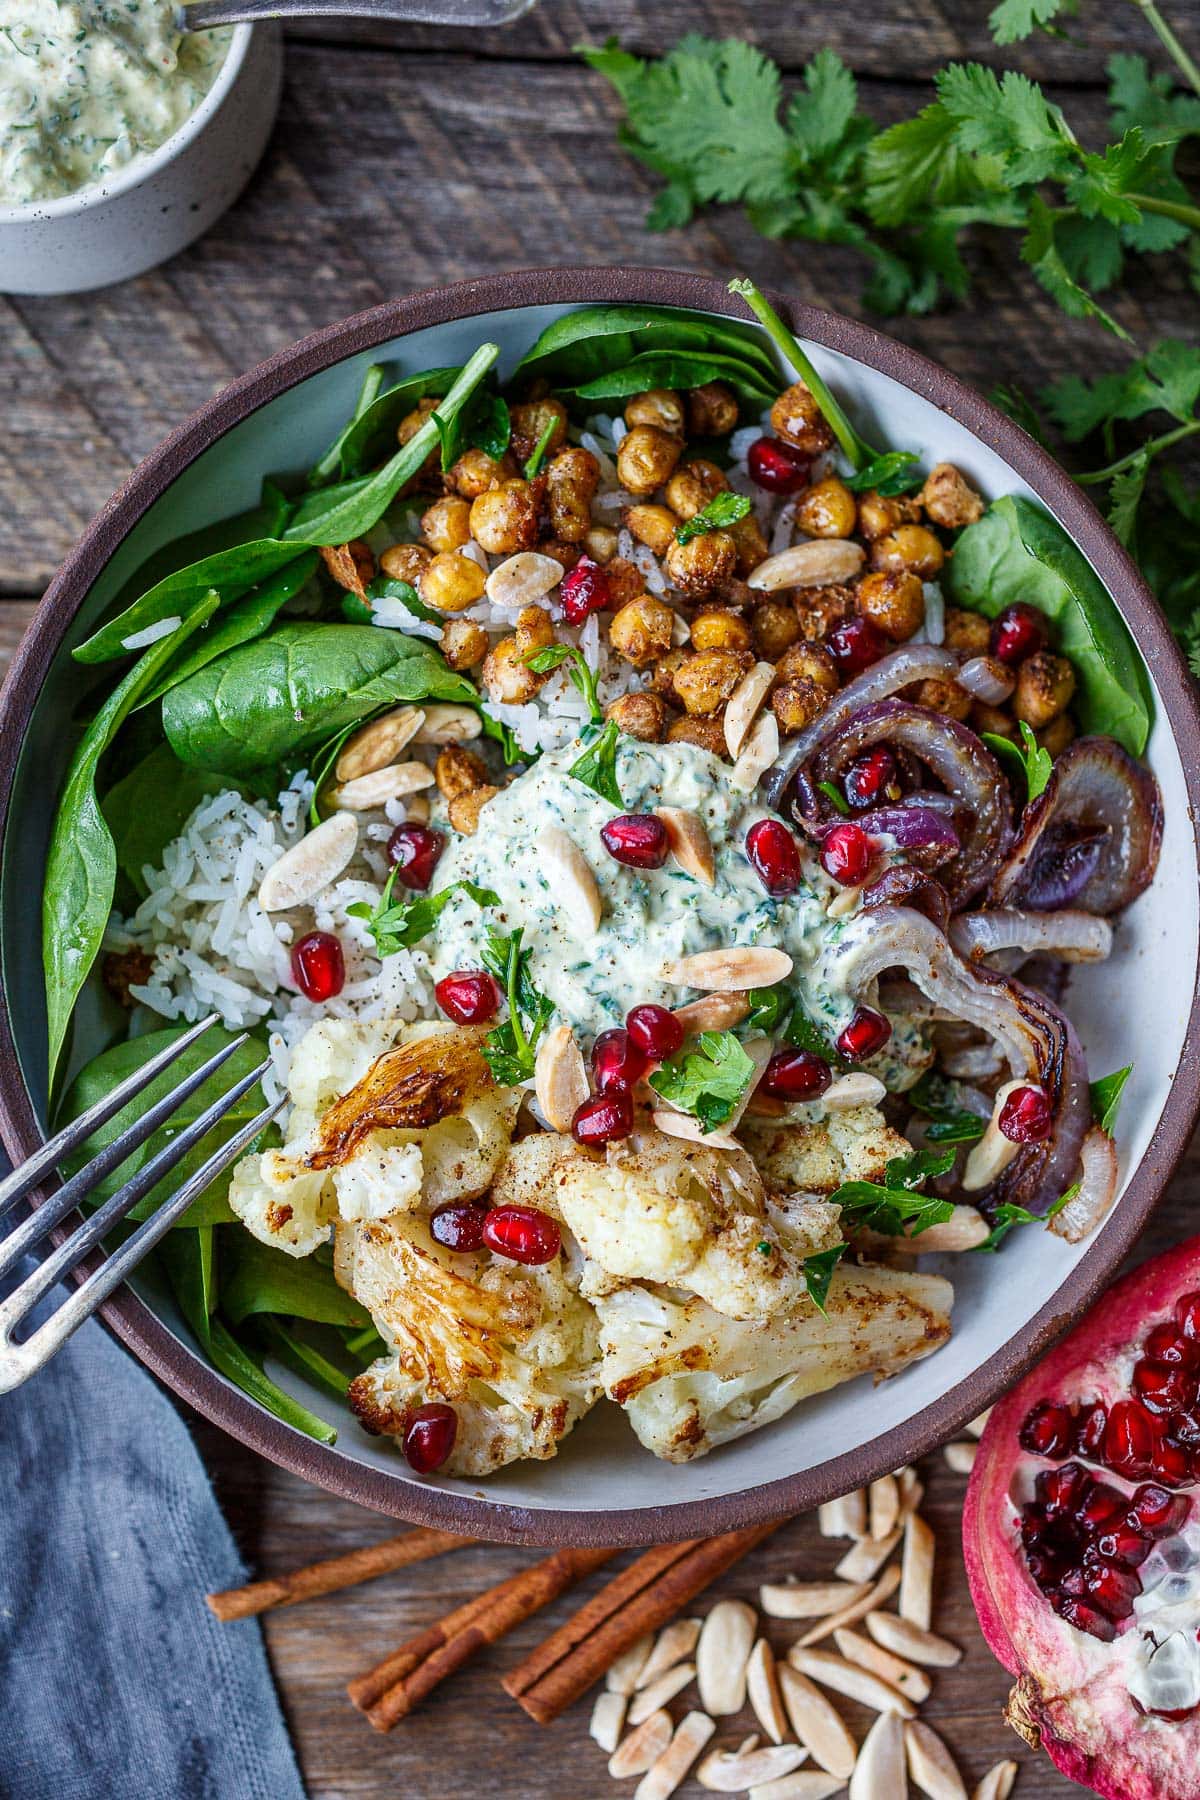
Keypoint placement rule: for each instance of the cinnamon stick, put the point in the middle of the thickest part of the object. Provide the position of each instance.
(560, 1670)
(389, 1692)
(334, 1573)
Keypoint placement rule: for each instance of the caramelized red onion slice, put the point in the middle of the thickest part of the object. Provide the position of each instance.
(1038, 1043)
(904, 885)
(914, 826)
(1091, 839)
(896, 670)
(1097, 1188)
(958, 760)
(1069, 935)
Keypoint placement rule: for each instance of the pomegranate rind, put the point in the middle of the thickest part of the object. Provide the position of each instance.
(1070, 1697)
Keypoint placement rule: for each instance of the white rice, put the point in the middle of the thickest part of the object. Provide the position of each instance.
(150, 634)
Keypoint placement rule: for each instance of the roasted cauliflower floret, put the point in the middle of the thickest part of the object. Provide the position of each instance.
(690, 1378)
(794, 1157)
(512, 1349)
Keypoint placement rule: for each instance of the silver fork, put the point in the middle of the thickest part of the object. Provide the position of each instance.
(18, 1361)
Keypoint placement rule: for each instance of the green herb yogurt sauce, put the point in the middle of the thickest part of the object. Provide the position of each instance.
(86, 89)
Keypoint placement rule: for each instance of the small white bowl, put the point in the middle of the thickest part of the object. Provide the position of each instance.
(157, 205)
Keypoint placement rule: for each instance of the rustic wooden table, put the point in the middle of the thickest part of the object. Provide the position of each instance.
(403, 159)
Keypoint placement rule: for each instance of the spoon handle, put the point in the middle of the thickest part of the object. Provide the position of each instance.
(202, 15)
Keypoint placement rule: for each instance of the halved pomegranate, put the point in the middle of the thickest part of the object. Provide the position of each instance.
(1082, 1540)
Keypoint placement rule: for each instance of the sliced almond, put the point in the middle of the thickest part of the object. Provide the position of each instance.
(688, 842)
(309, 866)
(808, 1785)
(760, 750)
(909, 1641)
(448, 723)
(522, 579)
(912, 1490)
(732, 1772)
(879, 1770)
(817, 1723)
(714, 1012)
(965, 1229)
(608, 1720)
(642, 1748)
(978, 1426)
(848, 1678)
(682, 1125)
(885, 1506)
(744, 704)
(672, 1767)
(817, 563)
(845, 901)
(560, 1080)
(930, 1763)
(997, 1784)
(847, 1516)
(912, 1682)
(992, 1154)
(960, 1457)
(875, 1596)
(809, 1599)
(722, 1654)
(916, 1573)
(762, 1689)
(856, 1089)
(416, 809)
(572, 885)
(648, 1700)
(730, 971)
(375, 745)
(622, 1677)
(758, 1049)
(369, 791)
(867, 1557)
(673, 1645)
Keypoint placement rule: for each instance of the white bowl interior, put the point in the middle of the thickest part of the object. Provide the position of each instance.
(1132, 1009)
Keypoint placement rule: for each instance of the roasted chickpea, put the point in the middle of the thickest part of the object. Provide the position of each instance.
(969, 632)
(352, 565)
(412, 422)
(530, 418)
(475, 472)
(646, 458)
(911, 547)
(997, 720)
(1058, 734)
(567, 555)
(625, 581)
(809, 662)
(662, 676)
(641, 715)
(464, 810)
(827, 509)
(893, 600)
(463, 643)
(456, 771)
(660, 407)
(821, 609)
(796, 417)
(534, 630)
(601, 543)
(942, 697)
(406, 562)
(693, 485)
(505, 519)
(712, 410)
(641, 630)
(949, 498)
(1045, 688)
(507, 676)
(451, 582)
(706, 731)
(720, 628)
(796, 704)
(775, 627)
(703, 561)
(707, 679)
(446, 525)
(751, 543)
(652, 525)
(877, 515)
(572, 478)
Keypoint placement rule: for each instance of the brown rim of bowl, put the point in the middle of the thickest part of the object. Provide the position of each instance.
(200, 1385)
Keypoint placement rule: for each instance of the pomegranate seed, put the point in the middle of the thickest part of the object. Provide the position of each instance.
(1166, 1344)
(847, 854)
(415, 850)
(1047, 1431)
(1017, 633)
(318, 966)
(584, 590)
(1172, 1463)
(522, 1233)
(868, 779)
(1128, 1439)
(1034, 1524)
(469, 996)
(777, 466)
(638, 840)
(1154, 1511)
(1047, 1570)
(1123, 1545)
(654, 1031)
(867, 1032)
(796, 1075)
(459, 1225)
(617, 1063)
(1185, 1428)
(855, 645)
(1062, 1490)
(1113, 1590)
(775, 855)
(429, 1437)
(604, 1119)
(1089, 1429)
(1187, 1316)
(1162, 1391)
(1025, 1117)
(1083, 1617)
(1101, 1506)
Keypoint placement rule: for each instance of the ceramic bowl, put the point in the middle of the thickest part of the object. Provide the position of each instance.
(1141, 1006)
(158, 205)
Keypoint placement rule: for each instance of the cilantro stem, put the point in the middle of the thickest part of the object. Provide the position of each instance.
(1168, 209)
(511, 978)
(859, 452)
(1170, 43)
(1150, 448)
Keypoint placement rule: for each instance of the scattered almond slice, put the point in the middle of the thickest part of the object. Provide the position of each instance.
(874, 1597)
(867, 1557)
(375, 789)
(673, 1645)
(744, 704)
(448, 722)
(885, 1507)
(762, 1689)
(808, 1785)
(930, 1763)
(916, 1573)
(715, 1012)
(642, 1748)
(817, 1723)
(809, 1599)
(377, 744)
(689, 842)
(722, 1654)
(682, 1125)
(815, 563)
(965, 1229)
(978, 1426)
(672, 1766)
(732, 1772)
(560, 1078)
(648, 1700)
(572, 884)
(909, 1641)
(847, 1516)
(992, 1154)
(850, 1679)
(309, 865)
(960, 1457)
(856, 1089)
(997, 1784)
(912, 1490)
(760, 750)
(734, 969)
(622, 1677)
(844, 901)
(912, 1682)
(522, 579)
(608, 1720)
(879, 1771)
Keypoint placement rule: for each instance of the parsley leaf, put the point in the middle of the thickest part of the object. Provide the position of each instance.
(889, 474)
(817, 1271)
(725, 508)
(510, 1048)
(767, 1007)
(895, 1205)
(597, 766)
(835, 797)
(950, 1123)
(1106, 1097)
(709, 1081)
(1008, 1214)
(1034, 763)
(805, 1034)
(400, 924)
(580, 673)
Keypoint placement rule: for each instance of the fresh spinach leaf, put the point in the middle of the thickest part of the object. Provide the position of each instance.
(707, 1082)
(1033, 763)
(596, 767)
(150, 806)
(581, 346)
(386, 587)
(266, 520)
(893, 472)
(1106, 1097)
(244, 621)
(371, 434)
(305, 1359)
(228, 574)
(395, 925)
(678, 369)
(723, 509)
(817, 1271)
(510, 1048)
(257, 1278)
(949, 1122)
(581, 674)
(489, 425)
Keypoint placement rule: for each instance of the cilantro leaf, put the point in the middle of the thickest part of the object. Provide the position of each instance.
(1034, 763)
(950, 1123)
(725, 508)
(510, 1048)
(1043, 254)
(1106, 1097)
(1014, 19)
(596, 767)
(1008, 1214)
(580, 672)
(709, 1081)
(890, 474)
(400, 924)
(817, 1271)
